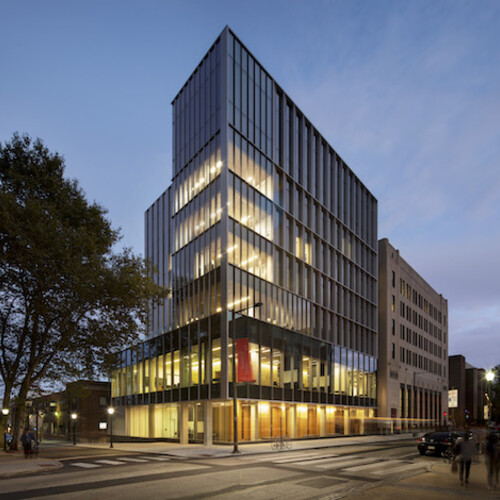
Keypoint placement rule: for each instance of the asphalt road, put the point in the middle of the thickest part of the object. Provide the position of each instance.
(306, 474)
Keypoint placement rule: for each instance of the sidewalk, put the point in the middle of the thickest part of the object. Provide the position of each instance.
(194, 451)
(437, 484)
(14, 464)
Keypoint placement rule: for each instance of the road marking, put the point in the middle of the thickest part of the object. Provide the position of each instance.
(159, 458)
(130, 459)
(403, 468)
(109, 462)
(301, 458)
(343, 463)
(359, 468)
(84, 465)
(271, 455)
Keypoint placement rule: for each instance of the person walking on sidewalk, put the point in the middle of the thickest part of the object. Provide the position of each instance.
(27, 441)
(492, 455)
(464, 451)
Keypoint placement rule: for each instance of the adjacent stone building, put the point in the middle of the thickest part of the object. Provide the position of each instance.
(413, 346)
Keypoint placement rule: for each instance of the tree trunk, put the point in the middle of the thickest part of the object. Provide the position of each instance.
(20, 413)
(18, 421)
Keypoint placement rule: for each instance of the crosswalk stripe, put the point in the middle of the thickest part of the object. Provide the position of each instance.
(109, 462)
(271, 456)
(159, 458)
(84, 465)
(345, 464)
(302, 458)
(341, 460)
(403, 468)
(130, 459)
(359, 468)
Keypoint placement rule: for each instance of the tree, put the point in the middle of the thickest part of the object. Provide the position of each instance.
(68, 300)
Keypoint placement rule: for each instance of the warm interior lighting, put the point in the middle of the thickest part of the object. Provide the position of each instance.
(74, 416)
(219, 309)
(236, 302)
(245, 262)
(111, 410)
(264, 407)
(219, 164)
(5, 411)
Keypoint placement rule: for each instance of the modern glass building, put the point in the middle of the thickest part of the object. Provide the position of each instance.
(266, 236)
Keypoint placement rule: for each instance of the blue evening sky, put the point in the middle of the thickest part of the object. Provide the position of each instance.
(408, 93)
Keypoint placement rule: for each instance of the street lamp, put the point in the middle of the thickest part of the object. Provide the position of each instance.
(74, 416)
(490, 376)
(5, 413)
(111, 411)
(235, 396)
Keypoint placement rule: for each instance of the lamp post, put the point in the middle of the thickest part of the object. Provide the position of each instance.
(111, 411)
(5, 414)
(235, 378)
(490, 376)
(74, 416)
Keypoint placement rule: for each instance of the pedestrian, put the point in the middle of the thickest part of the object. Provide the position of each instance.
(27, 441)
(8, 441)
(464, 451)
(492, 455)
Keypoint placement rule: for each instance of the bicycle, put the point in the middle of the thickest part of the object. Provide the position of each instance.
(280, 443)
(448, 456)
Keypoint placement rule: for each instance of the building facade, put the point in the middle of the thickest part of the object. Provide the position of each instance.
(472, 393)
(267, 237)
(413, 346)
(457, 382)
(50, 415)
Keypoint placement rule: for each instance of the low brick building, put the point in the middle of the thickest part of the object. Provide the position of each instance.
(50, 415)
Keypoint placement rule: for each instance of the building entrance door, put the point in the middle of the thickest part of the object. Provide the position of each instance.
(195, 422)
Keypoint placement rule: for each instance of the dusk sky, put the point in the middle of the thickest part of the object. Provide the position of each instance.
(408, 93)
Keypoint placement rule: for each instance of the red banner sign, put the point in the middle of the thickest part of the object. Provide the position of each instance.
(244, 362)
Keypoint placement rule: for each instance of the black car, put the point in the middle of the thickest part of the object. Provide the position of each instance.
(437, 442)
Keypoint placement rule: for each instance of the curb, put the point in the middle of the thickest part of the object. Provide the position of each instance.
(42, 467)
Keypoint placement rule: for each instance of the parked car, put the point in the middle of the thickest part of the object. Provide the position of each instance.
(437, 442)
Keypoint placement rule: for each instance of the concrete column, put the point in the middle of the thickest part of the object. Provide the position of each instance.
(207, 423)
(253, 422)
(183, 423)
(322, 421)
(293, 422)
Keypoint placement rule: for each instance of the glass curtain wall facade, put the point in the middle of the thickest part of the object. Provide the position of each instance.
(264, 222)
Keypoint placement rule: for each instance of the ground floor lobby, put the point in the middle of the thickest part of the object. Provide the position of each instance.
(211, 422)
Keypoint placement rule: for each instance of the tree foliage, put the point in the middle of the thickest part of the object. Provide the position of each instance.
(68, 300)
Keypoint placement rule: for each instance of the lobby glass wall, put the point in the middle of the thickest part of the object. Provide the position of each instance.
(289, 371)
(257, 421)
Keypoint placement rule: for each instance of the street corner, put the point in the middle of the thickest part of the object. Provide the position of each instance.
(19, 467)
